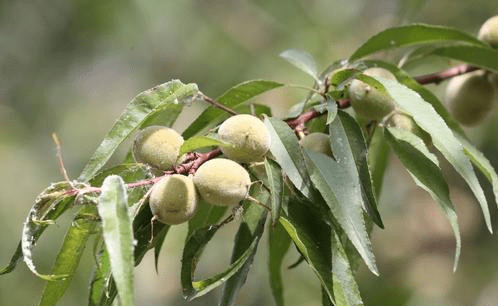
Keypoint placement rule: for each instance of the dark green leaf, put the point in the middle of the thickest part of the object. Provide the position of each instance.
(13, 261)
(249, 234)
(302, 60)
(101, 279)
(484, 57)
(285, 147)
(378, 157)
(276, 185)
(118, 235)
(346, 291)
(442, 137)
(279, 245)
(70, 254)
(424, 168)
(197, 142)
(344, 197)
(311, 235)
(166, 97)
(350, 150)
(235, 96)
(402, 36)
(482, 163)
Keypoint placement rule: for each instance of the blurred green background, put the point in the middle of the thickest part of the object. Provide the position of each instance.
(71, 67)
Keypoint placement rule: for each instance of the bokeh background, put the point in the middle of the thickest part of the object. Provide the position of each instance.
(71, 67)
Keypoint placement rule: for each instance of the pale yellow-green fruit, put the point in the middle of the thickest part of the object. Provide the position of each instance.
(369, 102)
(317, 142)
(248, 136)
(158, 146)
(222, 181)
(405, 122)
(174, 200)
(469, 97)
(489, 32)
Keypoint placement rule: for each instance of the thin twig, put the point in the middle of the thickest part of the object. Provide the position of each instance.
(440, 76)
(218, 105)
(58, 148)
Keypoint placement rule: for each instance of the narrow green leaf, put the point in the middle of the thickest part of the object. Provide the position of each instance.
(426, 94)
(402, 36)
(279, 245)
(198, 142)
(346, 291)
(331, 110)
(13, 261)
(101, 278)
(350, 150)
(49, 205)
(249, 234)
(442, 137)
(301, 60)
(285, 147)
(344, 197)
(378, 157)
(276, 185)
(311, 235)
(234, 97)
(118, 235)
(482, 163)
(166, 97)
(69, 255)
(192, 249)
(484, 57)
(424, 168)
(206, 215)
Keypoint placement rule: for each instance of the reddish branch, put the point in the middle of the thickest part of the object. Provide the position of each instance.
(297, 124)
(440, 76)
(194, 160)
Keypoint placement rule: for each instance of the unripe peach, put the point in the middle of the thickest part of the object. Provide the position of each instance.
(318, 142)
(489, 32)
(469, 97)
(369, 102)
(248, 136)
(173, 200)
(158, 146)
(405, 122)
(222, 181)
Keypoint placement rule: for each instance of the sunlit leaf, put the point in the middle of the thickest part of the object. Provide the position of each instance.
(482, 163)
(344, 197)
(276, 185)
(118, 235)
(402, 36)
(168, 96)
(350, 150)
(285, 147)
(235, 96)
(442, 137)
(424, 168)
(49, 205)
(346, 291)
(302, 60)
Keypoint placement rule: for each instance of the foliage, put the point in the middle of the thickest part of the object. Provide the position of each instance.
(325, 206)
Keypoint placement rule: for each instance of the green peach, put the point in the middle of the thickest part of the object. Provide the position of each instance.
(248, 136)
(318, 142)
(158, 146)
(222, 181)
(369, 102)
(489, 31)
(173, 200)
